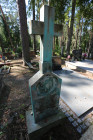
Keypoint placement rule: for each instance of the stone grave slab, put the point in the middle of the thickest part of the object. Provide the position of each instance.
(35, 130)
(86, 65)
(76, 91)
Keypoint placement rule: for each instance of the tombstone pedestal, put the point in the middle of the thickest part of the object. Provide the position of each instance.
(45, 66)
(36, 130)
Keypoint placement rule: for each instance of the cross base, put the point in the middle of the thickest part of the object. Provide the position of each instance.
(35, 130)
(45, 67)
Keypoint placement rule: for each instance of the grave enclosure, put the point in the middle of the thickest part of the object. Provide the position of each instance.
(44, 86)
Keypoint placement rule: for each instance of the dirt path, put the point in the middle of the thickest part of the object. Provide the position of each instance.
(15, 95)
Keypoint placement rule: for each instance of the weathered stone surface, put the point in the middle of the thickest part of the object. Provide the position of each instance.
(35, 130)
(45, 93)
(79, 121)
(88, 135)
(78, 96)
(83, 126)
(67, 114)
(79, 129)
(71, 119)
(37, 28)
(46, 42)
(74, 123)
(46, 28)
(45, 67)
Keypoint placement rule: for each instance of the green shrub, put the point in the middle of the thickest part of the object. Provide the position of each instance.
(19, 50)
(57, 50)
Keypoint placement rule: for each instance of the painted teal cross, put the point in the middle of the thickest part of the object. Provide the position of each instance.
(45, 86)
(46, 29)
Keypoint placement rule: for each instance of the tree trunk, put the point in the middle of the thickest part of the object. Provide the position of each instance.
(43, 2)
(77, 37)
(91, 47)
(4, 19)
(49, 1)
(24, 30)
(62, 45)
(3, 50)
(54, 43)
(34, 38)
(80, 33)
(57, 41)
(71, 27)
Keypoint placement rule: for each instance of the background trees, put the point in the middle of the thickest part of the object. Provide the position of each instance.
(9, 26)
(24, 31)
(76, 16)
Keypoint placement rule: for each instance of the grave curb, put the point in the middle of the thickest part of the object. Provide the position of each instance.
(78, 68)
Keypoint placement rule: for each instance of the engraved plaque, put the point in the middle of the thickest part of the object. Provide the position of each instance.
(45, 93)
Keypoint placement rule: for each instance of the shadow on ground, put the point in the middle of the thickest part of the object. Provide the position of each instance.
(3, 100)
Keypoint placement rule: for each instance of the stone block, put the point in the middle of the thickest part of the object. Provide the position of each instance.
(67, 114)
(79, 121)
(83, 126)
(45, 94)
(35, 130)
(45, 67)
(74, 123)
(71, 119)
(79, 129)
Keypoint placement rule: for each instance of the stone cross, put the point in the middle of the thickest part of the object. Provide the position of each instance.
(46, 30)
(45, 85)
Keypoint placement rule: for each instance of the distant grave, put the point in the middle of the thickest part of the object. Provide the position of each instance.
(32, 54)
(8, 55)
(77, 54)
(85, 66)
(44, 86)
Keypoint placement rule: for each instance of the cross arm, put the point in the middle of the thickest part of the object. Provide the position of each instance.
(37, 28)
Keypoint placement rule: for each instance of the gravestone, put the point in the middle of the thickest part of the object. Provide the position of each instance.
(44, 86)
(77, 54)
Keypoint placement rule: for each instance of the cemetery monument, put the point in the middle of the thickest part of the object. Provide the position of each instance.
(44, 86)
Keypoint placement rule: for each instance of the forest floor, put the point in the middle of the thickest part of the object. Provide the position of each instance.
(14, 103)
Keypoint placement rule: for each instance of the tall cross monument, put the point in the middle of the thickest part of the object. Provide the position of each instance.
(45, 86)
